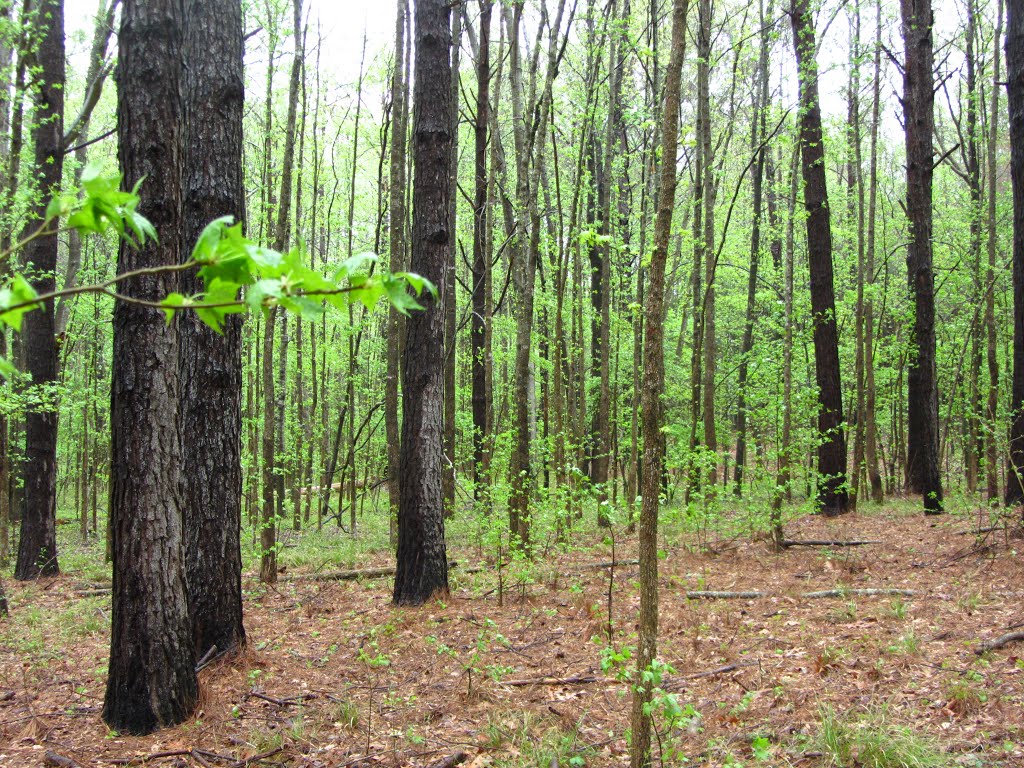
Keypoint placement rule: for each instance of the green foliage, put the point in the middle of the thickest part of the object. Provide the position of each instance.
(238, 274)
(872, 740)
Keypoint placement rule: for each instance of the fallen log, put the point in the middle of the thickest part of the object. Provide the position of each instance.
(860, 593)
(787, 543)
(712, 595)
(55, 760)
(999, 642)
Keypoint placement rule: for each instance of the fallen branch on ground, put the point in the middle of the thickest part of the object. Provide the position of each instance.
(999, 642)
(787, 543)
(711, 595)
(723, 670)
(51, 758)
(860, 593)
(379, 573)
(551, 681)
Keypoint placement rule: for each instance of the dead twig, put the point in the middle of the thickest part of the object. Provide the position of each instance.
(551, 681)
(723, 670)
(255, 758)
(711, 595)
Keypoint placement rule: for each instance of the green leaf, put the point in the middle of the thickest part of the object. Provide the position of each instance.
(172, 303)
(7, 369)
(20, 294)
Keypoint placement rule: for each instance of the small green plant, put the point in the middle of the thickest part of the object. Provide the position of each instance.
(906, 644)
(346, 713)
(872, 740)
(898, 608)
(964, 697)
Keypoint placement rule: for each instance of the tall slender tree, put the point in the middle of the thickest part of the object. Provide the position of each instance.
(37, 549)
(152, 679)
(422, 567)
(651, 394)
(396, 240)
(1015, 94)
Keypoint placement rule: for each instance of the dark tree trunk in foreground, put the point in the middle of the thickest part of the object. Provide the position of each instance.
(152, 680)
(210, 364)
(922, 387)
(1015, 93)
(422, 568)
(37, 550)
(832, 490)
(650, 395)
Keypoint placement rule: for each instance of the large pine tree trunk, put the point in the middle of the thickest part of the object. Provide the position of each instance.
(37, 550)
(922, 386)
(832, 491)
(210, 364)
(152, 680)
(1015, 93)
(422, 568)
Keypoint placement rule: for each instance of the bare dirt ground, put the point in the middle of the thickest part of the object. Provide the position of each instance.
(336, 676)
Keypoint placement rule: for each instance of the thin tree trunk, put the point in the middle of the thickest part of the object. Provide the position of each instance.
(756, 137)
(396, 237)
(37, 548)
(870, 394)
(992, 404)
(653, 385)
(481, 256)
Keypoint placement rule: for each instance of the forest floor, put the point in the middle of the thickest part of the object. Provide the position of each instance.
(525, 675)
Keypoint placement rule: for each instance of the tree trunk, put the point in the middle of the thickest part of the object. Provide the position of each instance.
(450, 346)
(422, 564)
(832, 491)
(757, 135)
(481, 256)
(1015, 94)
(210, 364)
(152, 680)
(870, 419)
(992, 404)
(37, 549)
(653, 385)
(396, 239)
(922, 386)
